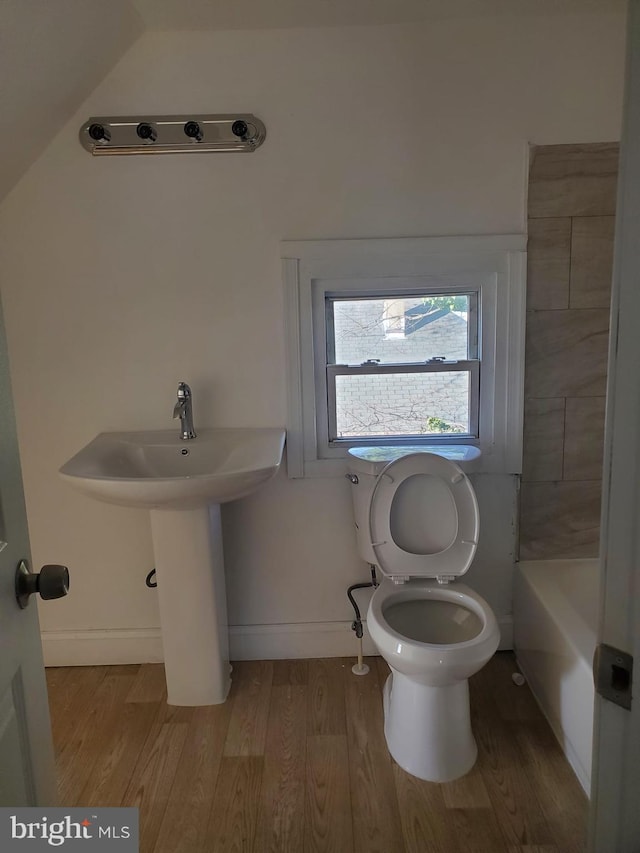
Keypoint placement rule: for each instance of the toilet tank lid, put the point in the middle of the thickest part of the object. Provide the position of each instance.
(371, 460)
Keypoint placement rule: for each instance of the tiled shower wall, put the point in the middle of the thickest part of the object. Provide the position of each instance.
(572, 191)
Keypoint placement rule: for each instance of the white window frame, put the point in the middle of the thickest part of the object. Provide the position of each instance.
(492, 266)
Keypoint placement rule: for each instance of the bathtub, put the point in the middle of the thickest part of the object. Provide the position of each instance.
(555, 618)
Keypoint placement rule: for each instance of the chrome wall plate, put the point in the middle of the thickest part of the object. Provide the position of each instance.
(187, 134)
(613, 675)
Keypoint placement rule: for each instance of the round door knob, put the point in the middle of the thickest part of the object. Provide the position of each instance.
(50, 582)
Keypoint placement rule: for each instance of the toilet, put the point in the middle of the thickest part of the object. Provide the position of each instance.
(417, 522)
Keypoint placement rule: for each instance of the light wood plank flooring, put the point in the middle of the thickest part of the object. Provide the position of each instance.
(295, 762)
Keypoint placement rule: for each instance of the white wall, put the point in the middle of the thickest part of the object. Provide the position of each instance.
(121, 276)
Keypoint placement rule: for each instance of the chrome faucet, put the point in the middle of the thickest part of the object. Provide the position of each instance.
(184, 411)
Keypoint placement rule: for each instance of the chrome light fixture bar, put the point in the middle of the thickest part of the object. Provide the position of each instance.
(242, 132)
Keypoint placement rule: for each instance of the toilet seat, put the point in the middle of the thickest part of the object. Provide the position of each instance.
(448, 529)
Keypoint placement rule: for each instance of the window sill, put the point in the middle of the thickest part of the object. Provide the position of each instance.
(338, 467)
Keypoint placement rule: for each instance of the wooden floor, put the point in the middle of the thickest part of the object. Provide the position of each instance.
(296, 761)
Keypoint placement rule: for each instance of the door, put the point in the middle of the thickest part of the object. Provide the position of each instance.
(615, 812)
(27, 775)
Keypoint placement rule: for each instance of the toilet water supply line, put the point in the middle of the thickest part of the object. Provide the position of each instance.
(360, 668)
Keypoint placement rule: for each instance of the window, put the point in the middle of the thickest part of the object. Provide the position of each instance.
(416, 341)
(402, 368)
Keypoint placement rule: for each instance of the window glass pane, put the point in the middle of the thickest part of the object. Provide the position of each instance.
(406, 329)
(402, 404)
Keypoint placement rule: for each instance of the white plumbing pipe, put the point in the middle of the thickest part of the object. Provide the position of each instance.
(360, 668)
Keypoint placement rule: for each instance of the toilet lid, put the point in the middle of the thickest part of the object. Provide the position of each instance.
(423, 518)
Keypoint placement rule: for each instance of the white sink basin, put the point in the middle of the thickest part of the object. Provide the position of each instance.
(157, 470)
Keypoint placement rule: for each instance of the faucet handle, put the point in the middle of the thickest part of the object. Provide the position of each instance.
(183, 390)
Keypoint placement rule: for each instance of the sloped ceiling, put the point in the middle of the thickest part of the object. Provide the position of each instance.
(245, 14)
(53, 53)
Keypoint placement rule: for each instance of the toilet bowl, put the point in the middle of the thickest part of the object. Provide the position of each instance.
(417, 521)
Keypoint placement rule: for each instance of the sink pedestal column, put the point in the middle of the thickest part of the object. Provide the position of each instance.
(189, 561)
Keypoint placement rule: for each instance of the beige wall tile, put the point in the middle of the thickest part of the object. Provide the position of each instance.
(559, 161)
(591, 261)
(566, 353)
(573, 180)
(559, 520)
(567, 339)
(548, 263)
(543, 440)
(584, 438)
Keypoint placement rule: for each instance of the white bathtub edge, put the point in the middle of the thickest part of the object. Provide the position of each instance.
(582, 774)
(556, 664)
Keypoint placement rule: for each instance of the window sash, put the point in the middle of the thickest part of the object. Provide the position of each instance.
(473, 323)
(471, 366)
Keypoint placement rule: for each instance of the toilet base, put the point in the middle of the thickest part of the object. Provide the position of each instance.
(428, 729)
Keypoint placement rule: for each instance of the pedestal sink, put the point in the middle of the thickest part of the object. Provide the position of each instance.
(183, 483)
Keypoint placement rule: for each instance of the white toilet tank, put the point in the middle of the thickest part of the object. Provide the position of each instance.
(366, 463)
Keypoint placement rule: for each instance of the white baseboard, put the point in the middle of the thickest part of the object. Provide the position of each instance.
(97, 648)
(304, 640)
(246, 642)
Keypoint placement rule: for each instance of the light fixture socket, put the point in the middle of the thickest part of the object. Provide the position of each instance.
(192, 130)
(146, 131)
(99, 133)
